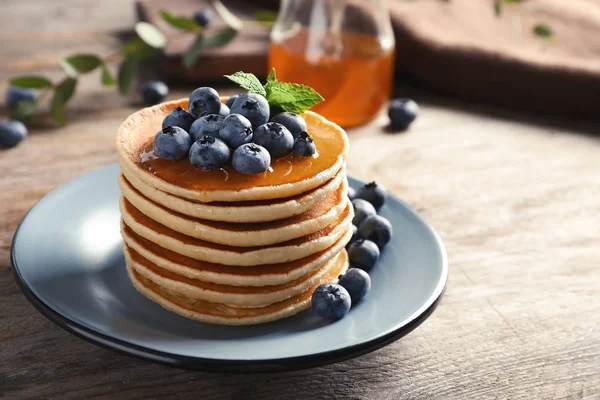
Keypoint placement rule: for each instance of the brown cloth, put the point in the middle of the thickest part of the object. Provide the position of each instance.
(457, 46)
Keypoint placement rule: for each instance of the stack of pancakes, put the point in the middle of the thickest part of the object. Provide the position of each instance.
(226, 248)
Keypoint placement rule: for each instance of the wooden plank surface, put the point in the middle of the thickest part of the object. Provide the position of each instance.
(516, 199)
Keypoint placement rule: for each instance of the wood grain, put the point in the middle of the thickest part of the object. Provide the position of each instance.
(516, 198)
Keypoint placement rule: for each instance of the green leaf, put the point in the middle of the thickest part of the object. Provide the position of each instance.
(248, 81)
(272, 78)
(80, 63)
(192, 54)
(543, 31)
(293, 97)
(137, 48)
(227, 16)
(187, 24)
(23, 110)
(31, 82)
(150, 35)
(498, 7)
(62, 94)
(265, 16)
(107, 78)
(125, 75)
(203, 42)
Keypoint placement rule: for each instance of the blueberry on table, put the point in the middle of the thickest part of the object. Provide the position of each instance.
(207, 125)
(224, 110)
(376, 229)
(331, 301)
(172, 143)
(236, 130)
(402, 113)
(209, 152)
(252, 106)
(179, 117)
(230, 100)
(275, 138)
(153, 92)
(203, 17)
(15, 94)
(251, 159)
(373, 193)
(11, 133)
(294, 122)
(204, 101)
(357, 282)
(362, 210)
(304, 145)
(363, 254)
(351, 193)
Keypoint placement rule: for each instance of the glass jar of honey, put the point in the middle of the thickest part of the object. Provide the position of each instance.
(344, 49)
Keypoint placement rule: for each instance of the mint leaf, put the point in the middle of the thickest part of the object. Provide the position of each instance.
(187, 24)
(248, 81)
(290, 96)
(150, 35)
(31, 82)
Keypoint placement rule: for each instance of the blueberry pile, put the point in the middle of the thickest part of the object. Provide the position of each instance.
(371, 232)
(212, 134)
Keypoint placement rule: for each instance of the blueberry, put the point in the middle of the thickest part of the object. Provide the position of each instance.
(252, 106)
(373, 193)
(179, 117)
(203, 17)
(224, 110)
(294, 122)
(207, 125)
(172, 143)
(204, 101)
(363, 254)
(357, 282)
(153, 92)
(11, 133)
(331, 301)
(354, 236)
(209, 152)
(362, 210)
(402, 113)
(15, 94)
(230, 100)
(275, 138)
(251, 158)
(351, 193)
(236, 130)
(304, 145)
(376, 229)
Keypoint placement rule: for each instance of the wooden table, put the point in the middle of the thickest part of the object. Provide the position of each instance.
(516, 199)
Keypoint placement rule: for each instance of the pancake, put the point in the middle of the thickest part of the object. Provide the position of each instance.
(289, 176)
(262, 275)
(242, 234)
(216, 313)
(249, 211)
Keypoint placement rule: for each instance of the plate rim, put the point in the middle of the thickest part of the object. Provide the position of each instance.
(229, 365)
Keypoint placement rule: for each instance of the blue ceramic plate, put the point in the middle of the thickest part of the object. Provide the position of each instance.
(68, 260)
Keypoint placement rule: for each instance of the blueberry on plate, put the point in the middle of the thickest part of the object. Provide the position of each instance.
(363, 254)
(179, 117)
(207, 125)
(16, 94)
(304, 145)
(204, 101)
(351, 193)
(357, 282)
(275, 138)
(172, 143)
(373, 193)
(252, 106)
(153, 92)
(354, 236)
(230, 100)
(11, 133)
(209, 152)
(224, 110)
(362, 210)
(402, 113)
(251, 159)
(203, 17)
(377, 229)
(294, 122)
(331, 301)
(236, 130)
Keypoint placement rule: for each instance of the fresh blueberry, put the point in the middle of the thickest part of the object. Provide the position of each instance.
(204, 101)
(402, 113)
(209, 152)
(15, 94)
(252, 106)
(203, 17)
(351, 193)
(363, 254)
(304, 145)
(236, 130)
(357, 282)
(230, 100)
(250, 159)
(275, 138)
(373, 193)
(294, 122)
(354, 236)
(172, 143)
(224, 110)
(207, 125)
(331, 301)
(154, 92)
(377, 229)
(179, 117)
(362, 210)
(11, 133)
